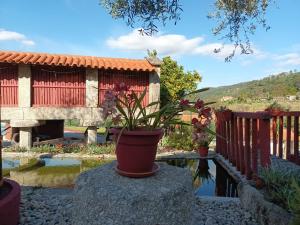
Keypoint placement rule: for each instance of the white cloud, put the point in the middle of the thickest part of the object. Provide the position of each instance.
(6, 35)
(170, 44)
(289, 59)
(173, 44)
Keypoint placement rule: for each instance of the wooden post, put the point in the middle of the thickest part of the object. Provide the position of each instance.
(288, 137)
(241, 145)
(274, 131)
(232, 149)
(280, 141)
(296, 139)
(236, 142)
(254, 146)
(247, 149)
(264, 143)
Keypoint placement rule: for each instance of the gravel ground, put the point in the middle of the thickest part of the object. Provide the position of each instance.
(49, 206)
(285, 166)
(45, 206)
(221, 211)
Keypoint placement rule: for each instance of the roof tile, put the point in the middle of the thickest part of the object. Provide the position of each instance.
(75, 60)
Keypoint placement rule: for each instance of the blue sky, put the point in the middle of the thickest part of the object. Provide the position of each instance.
(83, 27)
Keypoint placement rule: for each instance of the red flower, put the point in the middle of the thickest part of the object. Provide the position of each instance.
(194, 121)
(184, 102)
(206, 112)
(121, 87)
(199, 104)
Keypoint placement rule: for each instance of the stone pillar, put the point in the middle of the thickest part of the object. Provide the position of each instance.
(24, 86)
(25, 137)
(154, 86)
(154, 80)
(91, 88)
(92, 135)
(25, 134)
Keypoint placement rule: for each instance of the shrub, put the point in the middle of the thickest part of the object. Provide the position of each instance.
(179, 138)
(282, 188)
(88, 149)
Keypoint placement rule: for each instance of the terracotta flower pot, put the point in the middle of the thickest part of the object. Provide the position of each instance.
(203, 151)
(136, 150)
(9, 204)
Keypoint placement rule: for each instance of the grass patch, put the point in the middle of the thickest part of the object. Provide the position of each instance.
(283, 189)
(93, 149)
(58, 170)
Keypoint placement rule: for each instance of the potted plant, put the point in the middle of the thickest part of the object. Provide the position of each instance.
(202, 135)
(10, 193)
(139, 129)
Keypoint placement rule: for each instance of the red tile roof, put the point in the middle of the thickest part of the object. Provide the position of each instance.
(75, 60)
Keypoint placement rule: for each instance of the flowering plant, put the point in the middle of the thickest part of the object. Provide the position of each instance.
(202, 135)
(124, 106)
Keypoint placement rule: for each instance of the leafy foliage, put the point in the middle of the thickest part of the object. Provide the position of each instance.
(295, 203)
(175, 82)
(236, 19)
(282, 188)
(179, 138)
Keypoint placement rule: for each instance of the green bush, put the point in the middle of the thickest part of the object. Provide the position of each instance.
(179, 138)
(283, 188)
(100, 149)
(295, 202)
(87, 149)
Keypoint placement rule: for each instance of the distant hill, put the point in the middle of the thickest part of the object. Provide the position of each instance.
(279, 85)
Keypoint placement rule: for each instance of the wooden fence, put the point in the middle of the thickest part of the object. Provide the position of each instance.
(9, 85)
(137, 81)
(58, 86)
(247, 139)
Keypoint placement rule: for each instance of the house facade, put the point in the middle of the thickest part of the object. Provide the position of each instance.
(40, 88)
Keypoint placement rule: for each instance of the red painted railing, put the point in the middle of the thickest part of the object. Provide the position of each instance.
(247, 139)
(9, 85)
(137, 81)
(58, 86)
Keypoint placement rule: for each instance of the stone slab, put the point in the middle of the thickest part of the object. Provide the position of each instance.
(101, 196)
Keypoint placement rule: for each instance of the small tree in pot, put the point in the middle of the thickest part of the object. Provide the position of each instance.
(139, 128)
(202, 135)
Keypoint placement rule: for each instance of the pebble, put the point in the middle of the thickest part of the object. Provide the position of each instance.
(49, 206)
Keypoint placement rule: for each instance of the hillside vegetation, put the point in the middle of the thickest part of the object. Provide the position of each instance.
(258, 94)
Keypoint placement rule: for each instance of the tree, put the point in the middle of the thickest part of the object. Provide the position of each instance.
(236, 19)
(175, 82)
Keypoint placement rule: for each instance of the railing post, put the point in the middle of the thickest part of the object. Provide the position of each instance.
(280, 141)
(254, 145)
(274, 132)
(232, 147)
(288, 137)
(236, 142)
(264, 141)
(296, 139)
(241, 145)
(247, 149)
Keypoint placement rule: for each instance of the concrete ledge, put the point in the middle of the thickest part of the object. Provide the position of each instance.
(24, 123)
(101, 196)
(265, 212)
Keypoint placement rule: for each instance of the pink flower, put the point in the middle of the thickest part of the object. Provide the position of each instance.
(194, 121)
(206, 112)
(116, 119)
(184, 102)
(121, 88)
(199, 104)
